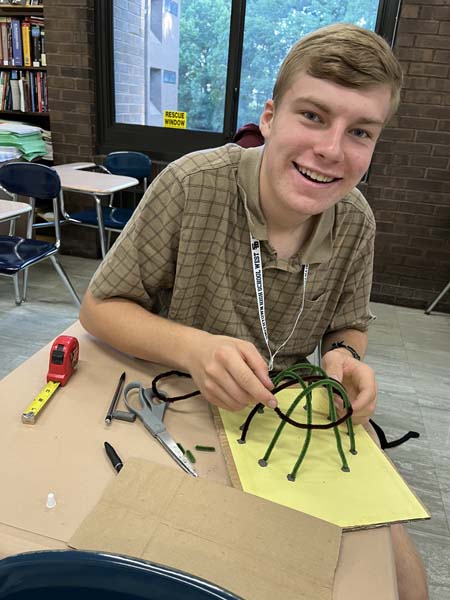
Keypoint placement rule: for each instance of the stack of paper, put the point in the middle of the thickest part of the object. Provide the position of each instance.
(9, 153)
(26, 138)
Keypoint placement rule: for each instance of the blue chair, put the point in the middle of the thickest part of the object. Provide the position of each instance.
(17, 253)
(70, 574)
(114, 219)
(131, 164)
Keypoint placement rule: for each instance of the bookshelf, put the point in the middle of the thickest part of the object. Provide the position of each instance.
(23, 65)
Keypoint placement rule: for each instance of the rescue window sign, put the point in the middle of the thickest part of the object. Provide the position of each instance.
(175, 119)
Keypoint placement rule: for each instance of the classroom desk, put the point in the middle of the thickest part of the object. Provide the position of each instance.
(95, 185)
(63, 453)
(76, 165)
(12, 210)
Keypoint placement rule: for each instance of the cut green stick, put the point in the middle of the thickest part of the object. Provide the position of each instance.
(190, 456)
(205, 448)
(181, 448)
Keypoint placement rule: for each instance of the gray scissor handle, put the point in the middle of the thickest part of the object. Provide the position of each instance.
(150, 412)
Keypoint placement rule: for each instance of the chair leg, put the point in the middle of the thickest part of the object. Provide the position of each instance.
(17, 293)
(24, 284)
(31, 218)
(438, 298)
(101, 227)
(30, 222)
(111, 204)
(66, 280)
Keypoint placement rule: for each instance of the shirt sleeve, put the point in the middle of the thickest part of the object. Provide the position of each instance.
(353, 308)
(141, 264)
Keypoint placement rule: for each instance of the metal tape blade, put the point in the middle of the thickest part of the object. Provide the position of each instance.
(30, 414)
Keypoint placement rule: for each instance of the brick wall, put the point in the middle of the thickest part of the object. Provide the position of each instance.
(69, 33)
(409, 182)
(69, 26)
(408, 186)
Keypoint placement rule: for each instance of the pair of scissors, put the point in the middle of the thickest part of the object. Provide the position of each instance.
(151, 412)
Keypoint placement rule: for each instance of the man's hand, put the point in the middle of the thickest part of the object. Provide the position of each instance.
(358, 380)
(230, 373)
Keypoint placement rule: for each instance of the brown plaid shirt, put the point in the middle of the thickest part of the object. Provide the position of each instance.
(185, 254)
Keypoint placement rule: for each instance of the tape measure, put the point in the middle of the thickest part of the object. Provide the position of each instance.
(63, 360)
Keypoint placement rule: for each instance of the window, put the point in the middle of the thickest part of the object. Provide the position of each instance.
(171, 7)
(267, 40)
(156, 20)
(170, 77)
(213, 60)
(155, 90)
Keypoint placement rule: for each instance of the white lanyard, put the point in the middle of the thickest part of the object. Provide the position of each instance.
(259, 290)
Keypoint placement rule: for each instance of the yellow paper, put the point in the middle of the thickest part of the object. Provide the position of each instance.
(371, 494)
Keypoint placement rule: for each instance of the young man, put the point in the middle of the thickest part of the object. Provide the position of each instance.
(239, 261)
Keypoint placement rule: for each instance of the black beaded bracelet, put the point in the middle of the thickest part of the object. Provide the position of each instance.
(341, 344)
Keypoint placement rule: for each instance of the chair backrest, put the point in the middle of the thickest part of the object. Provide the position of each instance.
(30, 179)
(248, 136)
(70, 574)
(131, 164)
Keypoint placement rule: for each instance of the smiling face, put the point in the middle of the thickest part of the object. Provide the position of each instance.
(319, 140)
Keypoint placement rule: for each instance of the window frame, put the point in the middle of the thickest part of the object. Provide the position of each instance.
(165, 144)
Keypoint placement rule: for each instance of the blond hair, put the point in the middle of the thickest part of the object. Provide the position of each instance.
(345, 54)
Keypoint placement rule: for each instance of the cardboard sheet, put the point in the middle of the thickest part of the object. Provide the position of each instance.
(371, 494)
(215, 532)
(63, 451)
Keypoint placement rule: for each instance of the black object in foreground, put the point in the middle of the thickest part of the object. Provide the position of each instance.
(115, 459)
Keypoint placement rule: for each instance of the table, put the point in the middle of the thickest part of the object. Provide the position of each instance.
(76, 165)
(10, 210)
(63, 453)
(97, 185)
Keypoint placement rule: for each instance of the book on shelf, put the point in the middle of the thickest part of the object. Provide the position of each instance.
(32, 86)
(4, 25)
(15, 91)
(43, 53)
(25, 26)
(3, 84)
(35, 43)
(24, 91)
(22, 42)
(16, 38)
(39, 91)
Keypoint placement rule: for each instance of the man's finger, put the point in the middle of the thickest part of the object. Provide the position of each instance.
(223, 399)
(238, 398)
(247, 380)
(259, 366)
(250, 374)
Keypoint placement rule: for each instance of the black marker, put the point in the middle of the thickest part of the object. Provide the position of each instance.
(109, 415)
(115, 459)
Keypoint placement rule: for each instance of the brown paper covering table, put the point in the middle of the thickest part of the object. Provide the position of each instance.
(63, 453)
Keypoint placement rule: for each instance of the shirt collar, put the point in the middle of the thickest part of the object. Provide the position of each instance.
(318, 247)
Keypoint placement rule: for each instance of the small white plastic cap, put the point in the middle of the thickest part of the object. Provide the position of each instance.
(51, 500)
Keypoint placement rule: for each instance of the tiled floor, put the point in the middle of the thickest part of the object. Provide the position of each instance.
(409, 351)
